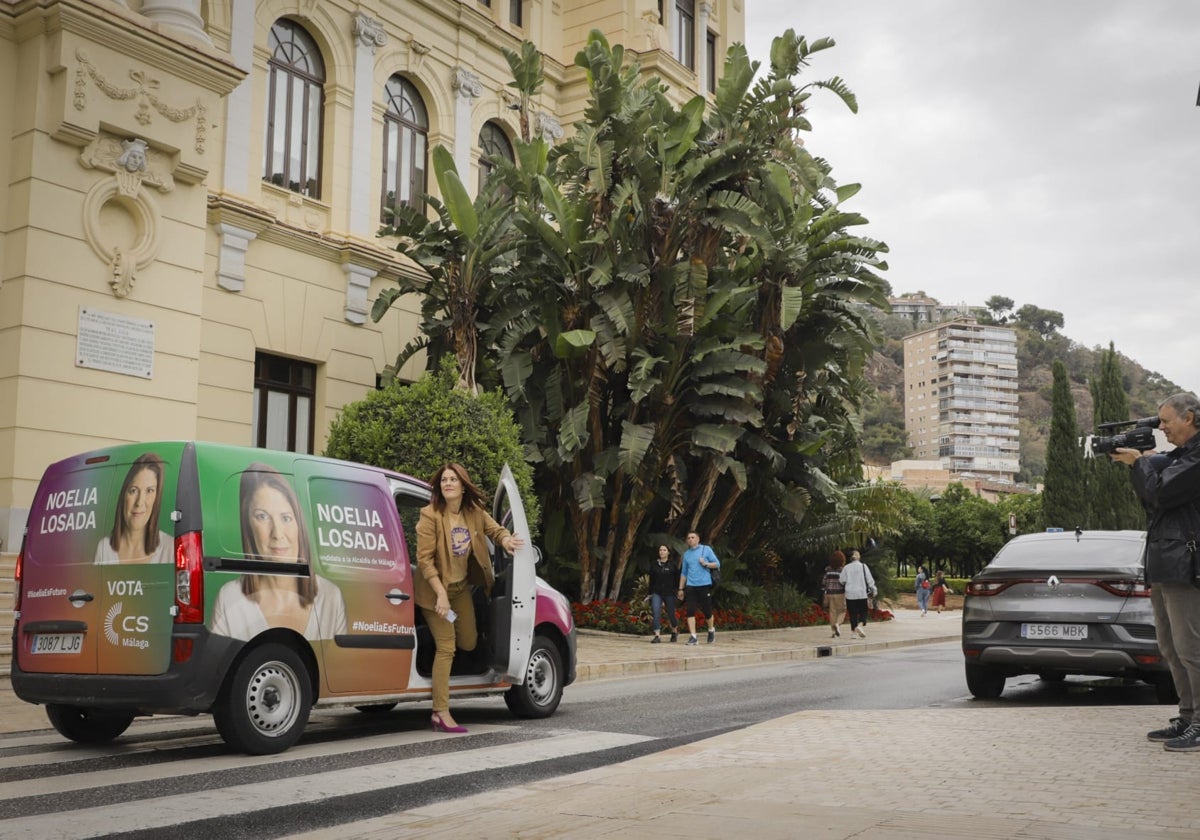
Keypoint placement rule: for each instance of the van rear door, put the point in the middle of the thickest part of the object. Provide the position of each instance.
(515, 599)
(89, 607)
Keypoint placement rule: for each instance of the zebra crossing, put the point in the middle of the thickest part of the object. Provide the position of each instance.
(174, 774)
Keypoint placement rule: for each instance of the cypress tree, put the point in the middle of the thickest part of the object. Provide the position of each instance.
(1064, 500)
(1111, 500)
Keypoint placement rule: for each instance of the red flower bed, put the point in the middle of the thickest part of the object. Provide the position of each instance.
(620, 617)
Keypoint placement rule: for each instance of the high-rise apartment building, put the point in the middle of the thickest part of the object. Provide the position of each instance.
(192, 191)
(960, 397)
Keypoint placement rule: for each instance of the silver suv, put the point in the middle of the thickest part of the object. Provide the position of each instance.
(1062, 603)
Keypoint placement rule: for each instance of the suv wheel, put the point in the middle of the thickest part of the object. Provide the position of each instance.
(984, 682)
(1164, 689)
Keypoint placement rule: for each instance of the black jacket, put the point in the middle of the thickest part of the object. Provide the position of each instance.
(664, 578)
(1171, 496)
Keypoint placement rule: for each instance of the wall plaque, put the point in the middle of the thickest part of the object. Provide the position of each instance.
(115, 343)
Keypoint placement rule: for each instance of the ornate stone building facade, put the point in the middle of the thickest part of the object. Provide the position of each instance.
(191, 191)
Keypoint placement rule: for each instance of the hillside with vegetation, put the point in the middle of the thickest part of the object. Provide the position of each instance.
(1040, 342)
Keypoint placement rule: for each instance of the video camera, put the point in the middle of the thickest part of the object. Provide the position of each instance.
(1140, 437)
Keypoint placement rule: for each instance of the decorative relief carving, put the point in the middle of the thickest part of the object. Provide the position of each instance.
(651, 28)
(132, 162)
(466, 83)
(549, 128)
(369, 32)
(419, 51)
(123, 260)
(144, 92)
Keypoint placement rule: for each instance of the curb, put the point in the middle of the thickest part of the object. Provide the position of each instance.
(704, 662)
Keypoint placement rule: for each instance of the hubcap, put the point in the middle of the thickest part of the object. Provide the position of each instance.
(540, 678)
(272, 699)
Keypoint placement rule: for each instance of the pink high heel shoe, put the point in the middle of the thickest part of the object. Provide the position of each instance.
(439, 725)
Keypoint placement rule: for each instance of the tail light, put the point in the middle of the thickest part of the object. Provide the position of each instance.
(189, 579)
(1125, 588)
(988, 587)
(17, 573)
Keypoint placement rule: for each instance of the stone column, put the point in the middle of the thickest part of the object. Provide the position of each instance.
(235, 240)
(469, 88)
(704, 13)
(181, 16)
(364, 210)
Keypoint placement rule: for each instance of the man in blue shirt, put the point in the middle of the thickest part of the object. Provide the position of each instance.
(695, 578)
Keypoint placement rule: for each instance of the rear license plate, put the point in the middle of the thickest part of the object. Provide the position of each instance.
(1054, 631)
(57, 643)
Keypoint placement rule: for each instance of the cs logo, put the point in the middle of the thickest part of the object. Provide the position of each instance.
(128, 624)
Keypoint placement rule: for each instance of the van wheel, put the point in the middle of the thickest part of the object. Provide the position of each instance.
(87, 726)
(539, 695)
(984, 682)
(263, 707)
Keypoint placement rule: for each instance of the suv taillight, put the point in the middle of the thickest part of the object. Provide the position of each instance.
(189, 578)
(1125, 588)
(987, 587)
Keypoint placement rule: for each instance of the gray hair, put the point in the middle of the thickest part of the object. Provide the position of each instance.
(1181, 403)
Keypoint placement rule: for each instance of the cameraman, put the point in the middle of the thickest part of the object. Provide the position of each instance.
(1169, 488)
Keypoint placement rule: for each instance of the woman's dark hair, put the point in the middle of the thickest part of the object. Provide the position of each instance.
(145, 461)
(256, 476)
(837, 560)
(472, 495)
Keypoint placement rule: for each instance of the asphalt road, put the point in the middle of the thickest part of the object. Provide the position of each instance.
(176, 775)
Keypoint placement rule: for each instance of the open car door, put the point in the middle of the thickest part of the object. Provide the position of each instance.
(514, 595)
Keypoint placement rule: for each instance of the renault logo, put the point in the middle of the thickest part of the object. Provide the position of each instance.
(1052, 582)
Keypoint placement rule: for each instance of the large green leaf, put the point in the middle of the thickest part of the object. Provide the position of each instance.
(720, 438)
(636, 440)
(454, 194)
(573, 343)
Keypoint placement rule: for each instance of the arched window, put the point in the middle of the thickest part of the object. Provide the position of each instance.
(493, 145)
(405, 143)
(295, 110)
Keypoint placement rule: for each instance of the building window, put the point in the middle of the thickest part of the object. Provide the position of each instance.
(493, 145)
(685, 33)
(515, 12)
(710, 55)
(405, 141)
(284, 402)
(295, 110)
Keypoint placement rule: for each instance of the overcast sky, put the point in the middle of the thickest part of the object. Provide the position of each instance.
(1045, 151)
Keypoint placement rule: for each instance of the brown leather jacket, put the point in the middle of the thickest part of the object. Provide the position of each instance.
(433, 552)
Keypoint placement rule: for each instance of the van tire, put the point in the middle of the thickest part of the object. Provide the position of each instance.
(263, 707)
(87, 726)
(541, 691)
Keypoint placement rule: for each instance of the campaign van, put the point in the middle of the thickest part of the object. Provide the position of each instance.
(254, 585)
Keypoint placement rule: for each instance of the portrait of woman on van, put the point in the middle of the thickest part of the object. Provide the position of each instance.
(135, 537)
(273, 529)
(452, 556)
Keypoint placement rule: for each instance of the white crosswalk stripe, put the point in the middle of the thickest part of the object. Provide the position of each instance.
(162, 812)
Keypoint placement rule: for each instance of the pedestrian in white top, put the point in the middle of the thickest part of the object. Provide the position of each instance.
(860, 586)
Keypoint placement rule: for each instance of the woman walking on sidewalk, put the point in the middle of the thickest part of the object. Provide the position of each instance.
(835, 592)
(924, 589)
(940, 590)
(663, 574)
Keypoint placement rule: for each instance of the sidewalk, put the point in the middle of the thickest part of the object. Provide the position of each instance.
(987, 772)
